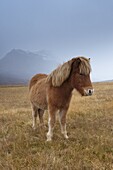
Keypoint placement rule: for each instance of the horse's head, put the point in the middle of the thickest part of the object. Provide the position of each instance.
(80, 76)
(77, 71)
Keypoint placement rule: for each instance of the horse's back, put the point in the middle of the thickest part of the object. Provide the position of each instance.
(37, 91)
(35, 79)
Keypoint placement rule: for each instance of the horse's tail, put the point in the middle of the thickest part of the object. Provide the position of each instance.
(36, 78)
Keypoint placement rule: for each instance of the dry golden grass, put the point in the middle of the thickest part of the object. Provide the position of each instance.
(90, 127)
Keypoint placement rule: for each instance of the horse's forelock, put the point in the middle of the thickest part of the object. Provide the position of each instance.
(84, 66)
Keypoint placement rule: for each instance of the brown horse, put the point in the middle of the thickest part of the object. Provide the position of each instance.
(53, 92)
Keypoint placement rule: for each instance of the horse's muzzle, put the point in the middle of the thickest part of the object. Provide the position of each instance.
(88, 92)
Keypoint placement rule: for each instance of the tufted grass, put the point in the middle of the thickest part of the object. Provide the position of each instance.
(89, 125)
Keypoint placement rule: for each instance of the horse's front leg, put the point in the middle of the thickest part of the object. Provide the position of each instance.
(62, 119)
(51, 123)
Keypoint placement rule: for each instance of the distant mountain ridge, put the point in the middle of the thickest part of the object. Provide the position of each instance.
(18, 66)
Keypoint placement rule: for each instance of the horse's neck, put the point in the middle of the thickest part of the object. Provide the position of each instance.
(67, 88)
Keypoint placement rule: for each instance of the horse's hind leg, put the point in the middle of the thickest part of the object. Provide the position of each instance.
(40, 113)
(34, 115)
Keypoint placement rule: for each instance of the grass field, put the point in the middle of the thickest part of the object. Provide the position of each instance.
(89, 125)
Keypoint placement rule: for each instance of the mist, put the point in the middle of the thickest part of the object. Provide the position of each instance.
(65, 28)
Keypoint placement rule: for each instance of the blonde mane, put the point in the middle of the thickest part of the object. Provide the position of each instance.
(60, 74)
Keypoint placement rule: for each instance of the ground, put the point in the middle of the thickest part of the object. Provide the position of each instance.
(89, 126)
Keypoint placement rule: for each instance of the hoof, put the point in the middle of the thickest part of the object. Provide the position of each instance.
(49, 137)
(66, 137)
(34, 127)
(48, 140)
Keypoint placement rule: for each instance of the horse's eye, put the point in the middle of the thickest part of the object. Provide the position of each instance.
(81, 74)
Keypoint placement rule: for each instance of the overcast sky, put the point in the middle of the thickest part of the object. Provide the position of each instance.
(67, 28)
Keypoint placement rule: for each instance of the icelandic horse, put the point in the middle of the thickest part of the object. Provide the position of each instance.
(53, 92)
